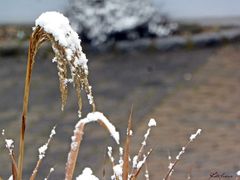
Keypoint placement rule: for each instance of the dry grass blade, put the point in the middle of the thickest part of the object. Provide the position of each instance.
(73, 154)
(42, 154)
(134, 177)
(126, 148)
(104, 165)
(49, 173)
(36, 39)
(146, 171)
(174, 164)
(34, 173)
(14, 166)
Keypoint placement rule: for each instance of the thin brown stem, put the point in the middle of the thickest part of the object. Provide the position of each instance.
(175, 163)
(126, 148)
(73, 154)
(31, 55)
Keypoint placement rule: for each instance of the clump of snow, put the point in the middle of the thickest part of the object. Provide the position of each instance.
(152, 122)
(135, 161)
(3, 132)
(52, 169)
(10, 178)
(98, 116)
(53, 132)
(181, 153)
(9, 145)
(193, 136)
(130, 132)
(87, 174)
(117, 169)
(109, 152)
(42, 150)
(238, 173)
(58, 25)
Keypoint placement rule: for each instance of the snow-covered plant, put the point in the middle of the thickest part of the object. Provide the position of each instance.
(54, 27)
(77, 138)
(173, 164)
(97, 20)
(123, 170)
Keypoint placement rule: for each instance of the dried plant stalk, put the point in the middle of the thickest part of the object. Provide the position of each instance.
(73, 154)
(126, 148)
(38, 36)
(79, 79)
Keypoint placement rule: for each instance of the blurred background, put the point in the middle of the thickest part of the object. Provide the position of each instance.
(175, 61)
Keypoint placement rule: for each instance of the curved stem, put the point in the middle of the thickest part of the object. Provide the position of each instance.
(31, 55)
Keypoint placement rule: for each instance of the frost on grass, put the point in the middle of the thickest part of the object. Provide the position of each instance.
(68, 54)
(87, 174)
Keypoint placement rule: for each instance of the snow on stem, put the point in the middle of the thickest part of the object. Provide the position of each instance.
(49, 173)
(78, 135)
(42, 151)
(9, 144)
(151, 123)
(173, 164)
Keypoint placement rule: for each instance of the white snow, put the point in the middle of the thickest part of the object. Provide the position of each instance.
(10, 178)
(42, 151)
(193, 136)
(3, 132)
(110, 154)
(58, 25)
(152, 122)
(53, 132)
(238, 173)
(180, 153)
(87, 174)
(98, 116)
(118, 170)
(52, 169)
(134, 161)
(9, 145)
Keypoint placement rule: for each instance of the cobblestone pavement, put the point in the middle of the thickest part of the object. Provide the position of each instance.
(183, 90)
